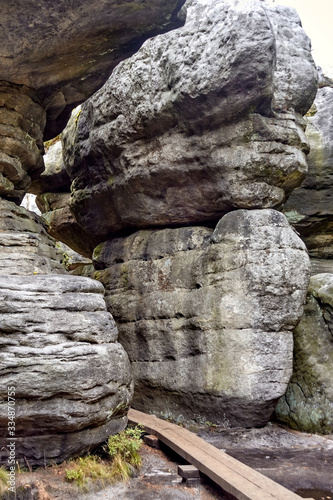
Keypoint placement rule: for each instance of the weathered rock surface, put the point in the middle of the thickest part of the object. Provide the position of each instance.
(207, 316)
(200, 121)
(54, 176)
(22, 122)
(25, 246)
(308, 402)
(53, 189)
(59, 350)
(310, 207)
(66, 50)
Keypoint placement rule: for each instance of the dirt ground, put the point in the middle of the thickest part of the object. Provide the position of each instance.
(301, 462)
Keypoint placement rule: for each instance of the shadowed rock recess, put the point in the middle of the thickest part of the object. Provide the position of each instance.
(310, 207)
(308, 402)
(207, 316)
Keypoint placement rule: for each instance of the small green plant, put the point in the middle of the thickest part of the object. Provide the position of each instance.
(123, 458)
(3, 480)
(123, 448)
(88, 468)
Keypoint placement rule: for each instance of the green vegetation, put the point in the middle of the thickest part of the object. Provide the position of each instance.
(88, 468)
(3, 480)
(122, 459)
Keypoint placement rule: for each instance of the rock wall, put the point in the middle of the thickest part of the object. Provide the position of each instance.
(207, 316)
(310, 207)
(200, 121)
(72, 379)
(308, 402)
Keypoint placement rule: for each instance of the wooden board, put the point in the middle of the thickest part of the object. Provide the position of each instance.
(234, 477)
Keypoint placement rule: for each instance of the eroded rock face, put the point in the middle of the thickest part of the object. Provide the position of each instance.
(200, 121)
(22, 122)
(66, 50)
(206, 316)
(53, 189)
(59, 350)
(310, 207)
(308, 402)
(25, 246)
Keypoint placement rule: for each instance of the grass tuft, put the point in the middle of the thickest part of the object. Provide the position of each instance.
(122, 452)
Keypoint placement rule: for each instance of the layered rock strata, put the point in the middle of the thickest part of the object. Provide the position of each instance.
(72, 379)
(25, 246)
(22, 122)
(67, 50)
(310, 207)
(308, 402)
(207, 316)
(200, 121)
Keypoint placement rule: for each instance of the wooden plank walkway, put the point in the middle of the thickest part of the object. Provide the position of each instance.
(234, 477)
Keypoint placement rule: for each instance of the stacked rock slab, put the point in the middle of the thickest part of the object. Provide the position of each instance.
(308, 402)
(200, 121)
(71, 378)
(59, 351)
(310, 207)
(207, 316)
(25, 246)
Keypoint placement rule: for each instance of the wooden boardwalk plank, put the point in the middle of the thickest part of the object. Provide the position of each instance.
(234, 477)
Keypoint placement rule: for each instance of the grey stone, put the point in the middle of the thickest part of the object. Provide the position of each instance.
(54, 177)
(53, 189)
(25, 246)
(308, 402)
(66, 50)
(310, 207)
(22, 122)
(206, 316)
(59, 350)
(200, 121)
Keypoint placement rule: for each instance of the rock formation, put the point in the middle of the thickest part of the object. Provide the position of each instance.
(308, 402)
(66, 51)
(25, 246)
(310, 207)
(22, 122)
(207, 316)
(200, 121)
(53, 189)
(72, 379)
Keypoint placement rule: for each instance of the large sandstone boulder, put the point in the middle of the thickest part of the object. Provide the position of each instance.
(59, 351)
(66, 50)
(200, 121)
(310, 207)
(25, 246)
(308, 402)
(206, 316)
